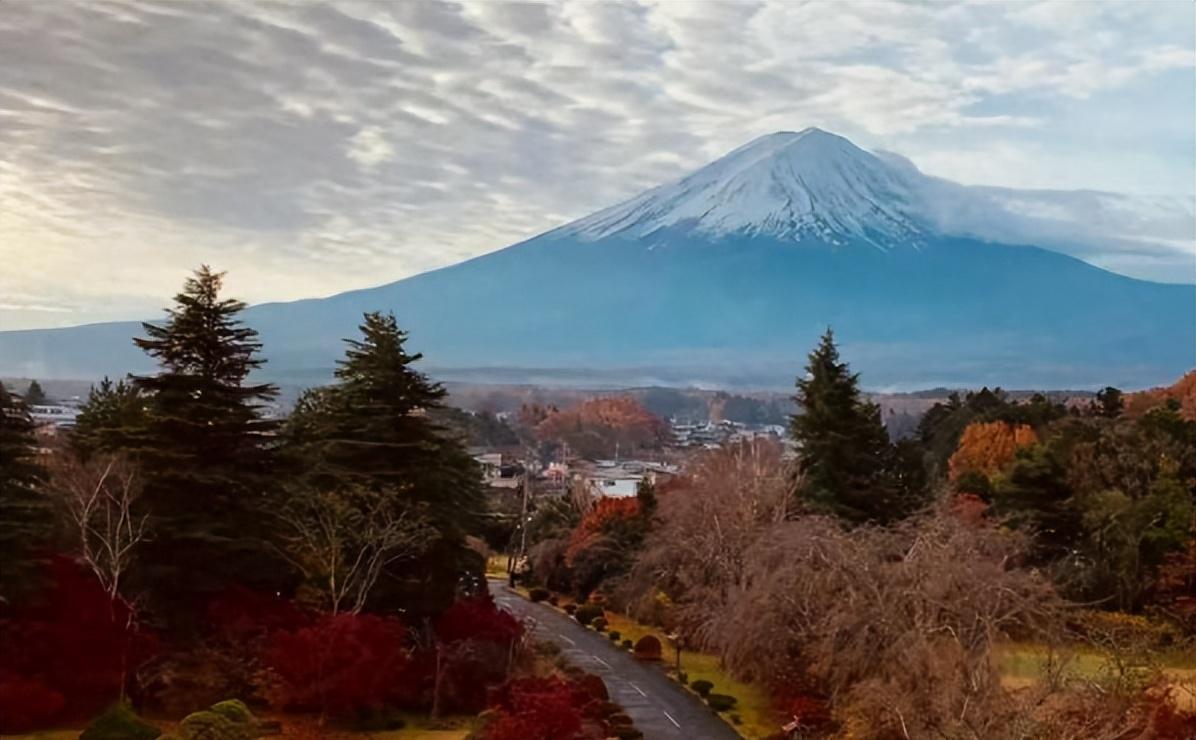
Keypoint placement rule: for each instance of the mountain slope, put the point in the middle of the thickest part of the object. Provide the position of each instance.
(728, 276)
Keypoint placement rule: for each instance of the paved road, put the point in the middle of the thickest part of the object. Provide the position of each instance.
(662, 710)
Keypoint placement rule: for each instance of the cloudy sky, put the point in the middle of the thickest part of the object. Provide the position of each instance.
(310, 148)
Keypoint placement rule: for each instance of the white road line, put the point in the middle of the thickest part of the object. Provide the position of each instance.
(566, 639)
(600, 660)
(670, 717)
(637, 688)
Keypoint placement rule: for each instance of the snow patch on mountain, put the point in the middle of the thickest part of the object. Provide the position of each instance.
(814, 186)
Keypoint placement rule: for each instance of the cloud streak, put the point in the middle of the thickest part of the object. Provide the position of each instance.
(312, 148)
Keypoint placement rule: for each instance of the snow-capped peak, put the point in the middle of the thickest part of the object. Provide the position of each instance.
(808, 184)
(813, 185)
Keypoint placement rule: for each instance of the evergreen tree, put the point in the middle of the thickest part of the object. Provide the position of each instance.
(35, 396)
(842, 446)
(374, 428)
(203, 445)
(113, 417)
(1109, 402)
(24, 513)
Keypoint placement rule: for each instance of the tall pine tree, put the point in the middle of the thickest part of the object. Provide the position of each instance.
(24, 512)
(843, 448)
(374, 428)
(203, 445)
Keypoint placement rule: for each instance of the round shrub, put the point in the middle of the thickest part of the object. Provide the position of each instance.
(120, 722)
(702, 687)
(554, 600)
(627, 644)
(648, 648)
(587, 613)
(736, 719)
(599, 623)
(682, 678)
(619, 718)
(570, 608)
(628, 733)
(613, 635)
(208, 725)
(720, 702)
(538, 594)
(234, 710)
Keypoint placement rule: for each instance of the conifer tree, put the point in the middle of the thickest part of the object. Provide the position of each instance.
(35, 396)
(24, 512)
(112, 418)
(374, 429)
(202, 444)
(843, 447)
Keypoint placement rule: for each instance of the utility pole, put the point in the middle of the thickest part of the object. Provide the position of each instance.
(527, 485)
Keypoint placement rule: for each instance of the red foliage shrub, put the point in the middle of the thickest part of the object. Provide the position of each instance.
(648, 648)
(75, 641)
(969, 509)
(477, 618)
(607, 514)
(537, 708)
(27, 705)
(339, 664)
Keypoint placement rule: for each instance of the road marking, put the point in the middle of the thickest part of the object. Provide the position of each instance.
(566, 639)
(670, 718)
(603, 662)
(637, 688)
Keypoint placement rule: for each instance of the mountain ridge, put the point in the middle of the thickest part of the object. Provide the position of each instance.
(734, 270)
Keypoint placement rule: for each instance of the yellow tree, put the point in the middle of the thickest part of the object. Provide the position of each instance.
(988, 447)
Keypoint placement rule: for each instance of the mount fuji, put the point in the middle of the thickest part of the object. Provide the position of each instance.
(727, 276)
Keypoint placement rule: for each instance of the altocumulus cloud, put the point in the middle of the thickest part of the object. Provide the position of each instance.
(310, 148)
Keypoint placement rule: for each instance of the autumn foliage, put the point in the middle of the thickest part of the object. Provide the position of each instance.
(988, 447)
(594, 428)
(607, 515)
(1183, 392)
(546, 708)
(69, 643)
(338, 665)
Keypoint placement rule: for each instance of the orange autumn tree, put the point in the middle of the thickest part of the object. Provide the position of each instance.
(599, 427)
(605, 543)
(988, 447)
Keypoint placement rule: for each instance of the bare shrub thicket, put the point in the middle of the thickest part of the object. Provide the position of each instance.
(706, 528)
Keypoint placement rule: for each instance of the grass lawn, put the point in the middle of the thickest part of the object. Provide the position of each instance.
(496, 566)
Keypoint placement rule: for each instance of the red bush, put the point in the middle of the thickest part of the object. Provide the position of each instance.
(477, 618)
(27, 705)
(648, 648)
(74, 641)
(340, 664)
(537, 708)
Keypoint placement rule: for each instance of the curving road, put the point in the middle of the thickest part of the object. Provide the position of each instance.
(662, 710)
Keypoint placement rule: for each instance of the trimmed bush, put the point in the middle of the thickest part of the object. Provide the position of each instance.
(628, 733)
(554, 600)
(648, 648)
(619, 718)
(720, 702)
(682, 678)
(234, 710)
(587, 613)
(627, 644)
(570, 608)
(538, 594)
(736, 719)
(207, 725)
(120, 722)
(599, 624)
(613, 635)
(702, 687)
